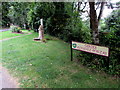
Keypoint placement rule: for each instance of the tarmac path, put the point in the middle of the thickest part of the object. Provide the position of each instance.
(2, 30)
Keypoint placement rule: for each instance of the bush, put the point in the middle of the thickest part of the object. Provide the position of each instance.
(109, 37)
(112, 40)
(14, 28)
(73, 28)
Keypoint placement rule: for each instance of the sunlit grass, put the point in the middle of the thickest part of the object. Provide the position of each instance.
(9, 34)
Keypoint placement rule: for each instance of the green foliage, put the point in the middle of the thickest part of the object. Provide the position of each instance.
(37, 11)
(79, 31)
(67, 25)
(113, 21)
(56, 23)
(14, 28)
(112, 40)
(5, 10)
(59, 19)
(109, 37)
(18, 13)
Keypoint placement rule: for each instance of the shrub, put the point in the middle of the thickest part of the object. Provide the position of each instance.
(109, 37)
(14, 28)
(111, 40)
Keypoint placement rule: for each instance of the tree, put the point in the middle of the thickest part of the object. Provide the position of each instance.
(37, 11)
(94, 20)
(75, 28)
(66, 24)
(113, 21)
(94, 23)
(18, 13)
(5, 18)
(110, 37)
(57, 20)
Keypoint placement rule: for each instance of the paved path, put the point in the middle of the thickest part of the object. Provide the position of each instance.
(6, 80)
(2, 30)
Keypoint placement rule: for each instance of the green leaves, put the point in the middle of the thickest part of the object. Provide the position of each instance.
(18, 13)
(37, 11)
(5, 19)
(15, 28)
(111, 39)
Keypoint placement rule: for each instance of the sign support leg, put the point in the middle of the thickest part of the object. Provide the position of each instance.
(108, 61)
(71, 51)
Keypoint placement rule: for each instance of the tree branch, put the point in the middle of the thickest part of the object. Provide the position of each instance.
(84, 6)
(98, 4)
(79, 5)
(101, 10)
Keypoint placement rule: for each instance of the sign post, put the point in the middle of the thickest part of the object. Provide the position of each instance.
(108, 60)
(71, 51)
(71, 46)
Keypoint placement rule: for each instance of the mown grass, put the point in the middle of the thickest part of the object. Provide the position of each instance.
(48, 65)
(9, 34)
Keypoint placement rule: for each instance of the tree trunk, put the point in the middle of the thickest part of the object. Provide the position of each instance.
(94, 23)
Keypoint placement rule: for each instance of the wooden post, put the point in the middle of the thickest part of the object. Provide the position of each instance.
(108, 61)
(71, 51)
(71, 46)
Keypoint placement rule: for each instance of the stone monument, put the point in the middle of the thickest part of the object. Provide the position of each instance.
(41, 32)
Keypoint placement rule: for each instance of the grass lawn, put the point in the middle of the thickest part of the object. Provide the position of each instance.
(9, 34)
(48, 65)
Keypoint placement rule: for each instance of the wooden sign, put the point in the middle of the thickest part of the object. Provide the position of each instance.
(100, 50)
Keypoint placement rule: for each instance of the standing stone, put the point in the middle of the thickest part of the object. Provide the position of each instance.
(41, 32)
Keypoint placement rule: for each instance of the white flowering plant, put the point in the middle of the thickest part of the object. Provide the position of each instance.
(15, 28)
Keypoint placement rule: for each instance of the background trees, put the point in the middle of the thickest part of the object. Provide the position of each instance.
(18, 13)
(37, 11)
(110, 37)
(5, 18)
